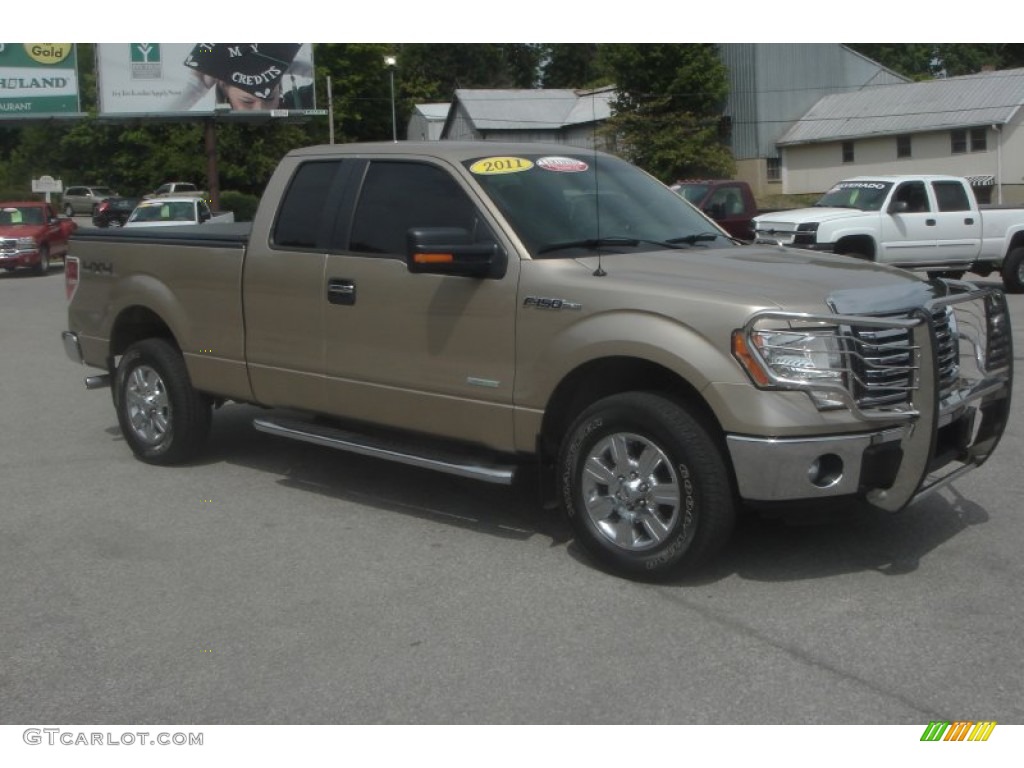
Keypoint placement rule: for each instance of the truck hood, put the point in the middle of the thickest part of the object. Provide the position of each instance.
(762, 277)
(786, 220)
(21, 230)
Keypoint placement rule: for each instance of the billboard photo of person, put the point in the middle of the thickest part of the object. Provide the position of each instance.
(249, 77)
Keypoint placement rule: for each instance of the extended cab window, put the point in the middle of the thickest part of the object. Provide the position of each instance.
(399, 196)
(951, 196)
(300, 216)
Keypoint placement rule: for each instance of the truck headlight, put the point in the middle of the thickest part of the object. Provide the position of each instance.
(27, 243)
(806, 234)
(807, 359)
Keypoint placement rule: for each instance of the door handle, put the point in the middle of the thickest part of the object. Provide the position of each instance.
(968, 221)
(341, 291)
(929, 222)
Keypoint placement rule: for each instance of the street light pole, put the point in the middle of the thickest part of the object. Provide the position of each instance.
(391, 62)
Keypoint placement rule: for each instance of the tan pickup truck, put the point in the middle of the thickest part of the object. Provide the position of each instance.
(480, 307)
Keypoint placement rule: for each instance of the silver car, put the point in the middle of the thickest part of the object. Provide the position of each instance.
(81, 200)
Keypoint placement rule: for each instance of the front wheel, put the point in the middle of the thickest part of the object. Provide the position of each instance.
(68, 210)
(1013, 271)
(163, 419)
(43, 266)
(645, 487)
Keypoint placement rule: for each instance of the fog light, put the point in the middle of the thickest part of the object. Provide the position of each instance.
(825, 471)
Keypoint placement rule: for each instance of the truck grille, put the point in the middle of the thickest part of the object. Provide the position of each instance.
(882, 361)
(8, 246)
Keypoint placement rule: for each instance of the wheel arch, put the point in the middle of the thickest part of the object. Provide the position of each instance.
(606, 376)
(135, 323)
(857, 244)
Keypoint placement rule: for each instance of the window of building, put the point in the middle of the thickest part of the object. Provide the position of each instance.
(979, 140)
(847, 151)
(958, 142)
(903, 146)
(774, 168)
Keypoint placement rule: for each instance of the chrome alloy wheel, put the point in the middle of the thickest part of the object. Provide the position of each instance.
(148, 406)
(631, 491)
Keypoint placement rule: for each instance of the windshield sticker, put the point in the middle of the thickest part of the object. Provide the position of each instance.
(494, 165)
(562, 164)
(859, 185)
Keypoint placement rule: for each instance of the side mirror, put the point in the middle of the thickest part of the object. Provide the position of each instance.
(898, 206)
(452, 251)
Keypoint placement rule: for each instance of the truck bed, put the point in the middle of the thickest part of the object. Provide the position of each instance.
(186, 234)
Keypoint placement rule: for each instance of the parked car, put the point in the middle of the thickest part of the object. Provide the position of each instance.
(730, 203)
(82, 200)
(175, 211)
(31, 234)
(175, 188)
(114, 211)
(924, 222)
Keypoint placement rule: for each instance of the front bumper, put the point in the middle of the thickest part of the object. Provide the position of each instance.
(10, 259)
(939, 437)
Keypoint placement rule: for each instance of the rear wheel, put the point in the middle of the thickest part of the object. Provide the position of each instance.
(645, 486)
(162, 417)
(1013, 271)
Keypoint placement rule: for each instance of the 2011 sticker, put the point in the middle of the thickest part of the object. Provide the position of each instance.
(562, 164)
(493, 165)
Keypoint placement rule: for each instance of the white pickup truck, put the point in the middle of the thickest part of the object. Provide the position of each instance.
(916, 222)
(175, 211)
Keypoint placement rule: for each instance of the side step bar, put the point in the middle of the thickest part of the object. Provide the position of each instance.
(389, 448)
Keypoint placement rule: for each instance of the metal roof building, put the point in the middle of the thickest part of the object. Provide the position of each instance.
(965, 126)
(427, 121)
(542, 114)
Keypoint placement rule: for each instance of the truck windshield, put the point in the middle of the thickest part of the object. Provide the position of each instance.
(864, 195)
(569, 205)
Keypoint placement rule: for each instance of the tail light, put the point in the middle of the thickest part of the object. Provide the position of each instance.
(70, 276)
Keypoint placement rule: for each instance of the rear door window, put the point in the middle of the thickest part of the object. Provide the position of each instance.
(300, 219)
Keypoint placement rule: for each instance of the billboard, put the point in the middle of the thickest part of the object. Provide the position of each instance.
(38, 80)
(205, 78)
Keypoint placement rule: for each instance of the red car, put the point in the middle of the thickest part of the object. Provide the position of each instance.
(31, 235)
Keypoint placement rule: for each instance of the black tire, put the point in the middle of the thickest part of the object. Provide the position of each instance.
(626, 523)
(1013, 271)
(162, 417)
(44, 261)
(68, 210)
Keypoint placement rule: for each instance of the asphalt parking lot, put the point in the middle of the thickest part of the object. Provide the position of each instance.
(278, 582)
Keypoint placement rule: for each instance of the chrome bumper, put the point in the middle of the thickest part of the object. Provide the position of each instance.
(71, 347)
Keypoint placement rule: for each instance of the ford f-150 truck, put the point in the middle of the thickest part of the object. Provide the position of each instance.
(931, 223)
(31, 234)
(477, 308)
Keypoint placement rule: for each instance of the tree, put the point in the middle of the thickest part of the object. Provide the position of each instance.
(572, 65)
(668, 112)
(924, 61)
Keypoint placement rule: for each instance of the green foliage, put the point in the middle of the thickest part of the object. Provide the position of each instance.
(243, 205)
(667, 116)
(573, 65)
(924, 61)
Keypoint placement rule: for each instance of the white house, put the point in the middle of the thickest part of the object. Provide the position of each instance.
(965, 126)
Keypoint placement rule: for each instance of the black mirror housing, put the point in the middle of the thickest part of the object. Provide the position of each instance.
(452, 251)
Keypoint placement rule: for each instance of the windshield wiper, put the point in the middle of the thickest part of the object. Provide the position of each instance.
(597, 242)
(700, 237)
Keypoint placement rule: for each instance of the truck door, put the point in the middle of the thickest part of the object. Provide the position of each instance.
(909, 226)
(429, 353)
(282, 292)
(958, 228)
